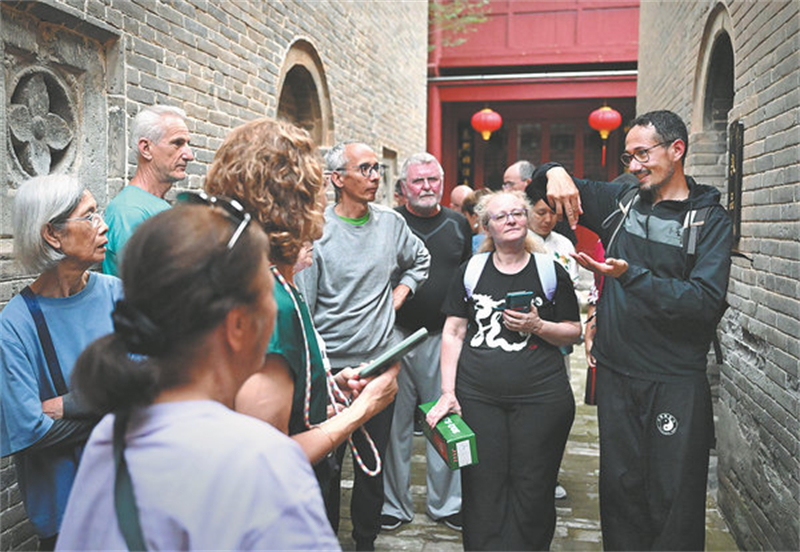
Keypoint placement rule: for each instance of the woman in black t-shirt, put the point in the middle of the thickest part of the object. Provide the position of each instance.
(511, 388)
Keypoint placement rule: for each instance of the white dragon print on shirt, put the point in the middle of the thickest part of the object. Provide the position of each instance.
(489, 322)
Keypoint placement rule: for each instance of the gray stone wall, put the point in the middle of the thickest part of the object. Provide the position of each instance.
(220, 61)
(757, 411)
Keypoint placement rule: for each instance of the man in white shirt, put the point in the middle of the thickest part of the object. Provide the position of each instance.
(542, 222)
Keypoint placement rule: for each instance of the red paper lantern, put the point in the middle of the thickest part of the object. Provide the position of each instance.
(486, 121)
(604, 120)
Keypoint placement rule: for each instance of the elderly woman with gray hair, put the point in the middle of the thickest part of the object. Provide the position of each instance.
(59, 233)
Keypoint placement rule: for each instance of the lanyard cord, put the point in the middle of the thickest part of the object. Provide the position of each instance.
(335, 395)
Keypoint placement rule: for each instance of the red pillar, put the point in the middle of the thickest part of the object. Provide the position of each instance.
(434, 122)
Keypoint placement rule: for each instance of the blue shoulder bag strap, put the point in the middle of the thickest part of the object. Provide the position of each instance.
(44, 338)
(124, 499)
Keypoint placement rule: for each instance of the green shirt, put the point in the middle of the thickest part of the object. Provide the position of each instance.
(131, 207)
(287, 341)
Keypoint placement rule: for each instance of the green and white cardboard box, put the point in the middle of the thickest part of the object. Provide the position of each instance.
(452, 437)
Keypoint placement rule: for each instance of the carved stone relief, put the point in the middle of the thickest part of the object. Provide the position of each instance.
(54, 85)
(41, 121)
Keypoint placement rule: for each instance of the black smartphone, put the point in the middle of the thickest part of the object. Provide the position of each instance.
(519, 301)
(387, 359)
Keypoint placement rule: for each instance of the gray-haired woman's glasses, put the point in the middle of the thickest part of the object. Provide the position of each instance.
(95, 219)
(232, 209)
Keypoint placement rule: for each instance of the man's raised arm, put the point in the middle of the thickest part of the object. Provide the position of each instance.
(561, 192)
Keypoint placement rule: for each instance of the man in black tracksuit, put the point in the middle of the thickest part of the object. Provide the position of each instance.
(656, 319)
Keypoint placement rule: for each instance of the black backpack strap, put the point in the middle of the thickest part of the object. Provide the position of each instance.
(46, 341)
(624, 206)
(717, 348)
(692, 225)
(124, 499)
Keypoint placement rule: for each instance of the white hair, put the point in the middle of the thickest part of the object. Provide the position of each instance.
(526, 169)
(336, 157)
(423, 158)
(147, 123)
(39, 201)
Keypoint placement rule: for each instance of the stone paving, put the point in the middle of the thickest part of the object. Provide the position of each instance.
(578, 525)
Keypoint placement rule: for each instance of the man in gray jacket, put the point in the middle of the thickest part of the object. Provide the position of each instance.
(350, 295)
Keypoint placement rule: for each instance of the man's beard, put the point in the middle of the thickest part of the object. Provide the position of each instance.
(649, 193)
(426, 205)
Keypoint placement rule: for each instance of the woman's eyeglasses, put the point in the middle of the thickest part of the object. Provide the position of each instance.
(95, 219)
(516, 214)
(232, 209)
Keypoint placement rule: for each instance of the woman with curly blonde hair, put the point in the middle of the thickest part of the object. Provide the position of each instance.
(273, 169)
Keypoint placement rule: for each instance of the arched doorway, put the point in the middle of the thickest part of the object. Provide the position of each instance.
(714, 88)
(719, 85)
(303, 95)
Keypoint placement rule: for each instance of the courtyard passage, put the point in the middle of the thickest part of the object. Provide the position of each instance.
(578, 524)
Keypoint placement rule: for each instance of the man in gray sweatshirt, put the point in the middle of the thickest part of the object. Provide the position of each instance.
(350, 295)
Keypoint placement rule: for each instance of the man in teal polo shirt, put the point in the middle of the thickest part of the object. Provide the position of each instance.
(162, 145)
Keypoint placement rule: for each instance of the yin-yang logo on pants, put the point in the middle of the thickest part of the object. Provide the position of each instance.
(666, 423)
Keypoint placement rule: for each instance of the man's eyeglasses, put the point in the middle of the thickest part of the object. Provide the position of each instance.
(95, 219)
(516, 214)
(232, 209)
(641, 155)
(366, 169)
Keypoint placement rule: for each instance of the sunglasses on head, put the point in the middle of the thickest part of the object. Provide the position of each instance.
(230, 207)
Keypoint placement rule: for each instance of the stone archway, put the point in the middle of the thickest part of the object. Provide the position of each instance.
(718, 99)
(303, 96)
(714, 88)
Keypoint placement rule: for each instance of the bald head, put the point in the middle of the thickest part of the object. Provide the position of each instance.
(518, 176)
(457, 196)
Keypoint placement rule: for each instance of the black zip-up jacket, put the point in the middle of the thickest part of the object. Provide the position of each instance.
(656, 321)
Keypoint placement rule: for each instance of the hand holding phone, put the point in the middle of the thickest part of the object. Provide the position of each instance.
(387, 359)
(519, 301)
(520, 315)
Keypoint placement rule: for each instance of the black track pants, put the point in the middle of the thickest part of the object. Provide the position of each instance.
(367, 497)
(654, 446)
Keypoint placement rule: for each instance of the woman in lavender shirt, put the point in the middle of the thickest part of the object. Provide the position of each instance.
(194, 325)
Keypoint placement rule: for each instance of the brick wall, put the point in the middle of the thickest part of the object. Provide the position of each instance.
(221, 62)
(758, 411)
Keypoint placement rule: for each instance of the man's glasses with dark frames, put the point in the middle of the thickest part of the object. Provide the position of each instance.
(232, 209)
(366, 169)
(641, 155)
